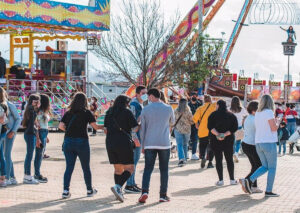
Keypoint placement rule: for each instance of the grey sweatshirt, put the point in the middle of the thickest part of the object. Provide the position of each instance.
(156, 119)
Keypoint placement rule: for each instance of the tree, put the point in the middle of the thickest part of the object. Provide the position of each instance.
(201, 59)
(137, 35)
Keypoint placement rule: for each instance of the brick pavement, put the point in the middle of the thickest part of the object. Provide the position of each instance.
(190, 189)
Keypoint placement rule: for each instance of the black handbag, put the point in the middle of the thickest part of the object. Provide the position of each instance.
(125, 133)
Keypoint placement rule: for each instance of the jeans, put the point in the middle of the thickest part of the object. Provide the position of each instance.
(39, 152)
(291, 126)
(73, 147)
(182, 141)
(250, 151)
(205, 149)
(31, 144)
(283, 144)
(194, 139)
(150, 157)
(136, 158)
(8, 144)
(2, 160)
(267, 153)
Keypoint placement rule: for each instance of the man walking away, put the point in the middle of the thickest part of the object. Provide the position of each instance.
(136, 107)
(2, 67)
(156, 119)
(194, 104)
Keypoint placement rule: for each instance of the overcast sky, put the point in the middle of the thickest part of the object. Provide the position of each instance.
(258, 48)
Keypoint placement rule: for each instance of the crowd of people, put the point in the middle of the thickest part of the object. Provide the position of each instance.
(144, 125)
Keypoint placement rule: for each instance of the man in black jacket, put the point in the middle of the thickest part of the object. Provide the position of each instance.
(2, 67)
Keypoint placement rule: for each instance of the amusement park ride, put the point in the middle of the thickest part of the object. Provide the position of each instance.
(275, 12)
(57, 72)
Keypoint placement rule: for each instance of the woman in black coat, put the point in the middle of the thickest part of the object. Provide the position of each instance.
(222, 125)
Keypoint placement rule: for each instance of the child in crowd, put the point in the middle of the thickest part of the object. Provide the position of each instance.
(283, 136)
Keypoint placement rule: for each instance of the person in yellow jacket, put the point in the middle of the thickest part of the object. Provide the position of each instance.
(200, 118)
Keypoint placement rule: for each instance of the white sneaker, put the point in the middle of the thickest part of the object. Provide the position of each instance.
(236, 157)
(3, 183)
(233, 182)
(13, 181)
(8, 182)
(220, 183)
(30, 180)
(256, 190)
(195, 157)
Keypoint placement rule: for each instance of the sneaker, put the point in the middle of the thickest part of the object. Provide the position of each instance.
(164, 198)
(220, 183)
(137, 188)
(46, 156)
(181, 163)
(236, 157)
(66, 194)
(233, 182)
(243, 184)
(118, 193)
(256, 190)
(203, 161)
(41, 179)
(13, 181)
(143, 198)
(210, 165)
(131, 190)
(8, 182)
(30, 180)
(3, 183)
(271, 194)
(248, 185)
(195, 157)
(91, 193)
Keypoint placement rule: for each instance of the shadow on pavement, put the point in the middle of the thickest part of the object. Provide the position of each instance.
(235, 204)
(196, 191)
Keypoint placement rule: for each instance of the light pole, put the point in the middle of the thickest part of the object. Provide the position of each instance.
(288, 50)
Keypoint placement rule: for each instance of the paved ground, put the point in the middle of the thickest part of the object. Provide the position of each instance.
(191, 189)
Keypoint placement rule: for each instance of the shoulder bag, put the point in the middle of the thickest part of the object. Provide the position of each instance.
(172, 133)
(125, 133)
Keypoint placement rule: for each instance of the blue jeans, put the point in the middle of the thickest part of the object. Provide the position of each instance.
(43, 133)
(8, 145)
(136, 158)
(31, 144)
(283, 144)
(73, 147)
(267, 153)
(2, 160)
(237, 144)
(150, 158)
(194, 139)
(291, 126)
(182, 141)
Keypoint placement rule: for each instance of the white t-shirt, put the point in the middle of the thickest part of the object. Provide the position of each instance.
(263, 133)
(240, 116)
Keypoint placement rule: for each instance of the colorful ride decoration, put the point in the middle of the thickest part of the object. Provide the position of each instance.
(182, 32)
(258, 89)
(275, 90)
(50, 15)
(243, 82)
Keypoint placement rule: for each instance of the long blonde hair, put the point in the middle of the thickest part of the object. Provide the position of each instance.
(266, 102)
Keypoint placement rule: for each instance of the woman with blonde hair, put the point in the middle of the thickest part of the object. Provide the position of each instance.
(182, 129)
(265, 140)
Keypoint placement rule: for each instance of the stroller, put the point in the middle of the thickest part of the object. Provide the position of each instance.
(293, 141)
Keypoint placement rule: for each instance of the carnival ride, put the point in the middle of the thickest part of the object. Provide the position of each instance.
(57, 72)
(259, 12)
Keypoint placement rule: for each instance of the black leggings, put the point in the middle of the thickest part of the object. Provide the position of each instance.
(227, 149)
(205, 149)
(253, 157)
